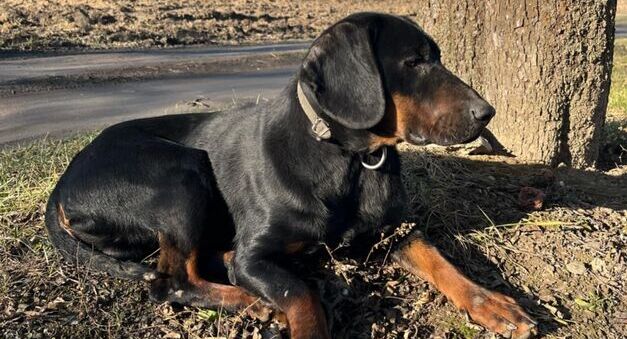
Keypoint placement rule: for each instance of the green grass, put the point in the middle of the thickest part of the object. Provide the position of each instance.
(27, 176)
(593, 302)
(460, 328)
(617, 107)
(615, 147)
(28, 173)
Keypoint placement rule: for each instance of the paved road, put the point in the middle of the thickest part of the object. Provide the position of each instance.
(29, 67)
(62, 111)
(27, 115)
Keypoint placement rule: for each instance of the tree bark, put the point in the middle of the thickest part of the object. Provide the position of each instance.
(545, 65)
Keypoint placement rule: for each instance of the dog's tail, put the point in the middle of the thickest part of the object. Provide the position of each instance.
(74, 250)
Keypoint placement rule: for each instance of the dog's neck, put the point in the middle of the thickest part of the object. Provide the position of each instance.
(323, 128)
(319, 126)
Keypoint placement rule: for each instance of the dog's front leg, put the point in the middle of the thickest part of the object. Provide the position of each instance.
(493, 310)
(256, 269)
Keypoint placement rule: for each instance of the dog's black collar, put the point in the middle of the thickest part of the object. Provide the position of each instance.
(319, 126)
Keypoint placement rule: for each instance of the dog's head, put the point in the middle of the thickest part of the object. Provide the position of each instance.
(383, 74)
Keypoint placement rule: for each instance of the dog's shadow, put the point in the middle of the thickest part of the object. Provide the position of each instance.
(463, 205)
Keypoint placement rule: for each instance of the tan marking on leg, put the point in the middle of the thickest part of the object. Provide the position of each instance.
(231, 297)
(191, 267)
(227, 257)
(64, 221)
(426, 261)
(493, 310)
(171, 260)
(305, 317)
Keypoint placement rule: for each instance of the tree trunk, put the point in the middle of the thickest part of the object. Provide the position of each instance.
(545, 65)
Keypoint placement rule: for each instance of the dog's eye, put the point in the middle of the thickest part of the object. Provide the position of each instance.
(413, 62)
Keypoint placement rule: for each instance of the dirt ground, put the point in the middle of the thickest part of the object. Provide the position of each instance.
(101, 24)
(54, 24)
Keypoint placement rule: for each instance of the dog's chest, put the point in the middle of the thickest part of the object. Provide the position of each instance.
(378, 200)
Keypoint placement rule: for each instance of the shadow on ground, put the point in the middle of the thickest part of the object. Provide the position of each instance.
(470, 208)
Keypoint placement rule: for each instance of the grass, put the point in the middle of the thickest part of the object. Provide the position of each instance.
(28, 173)
(461, 329)
(27, 176)
(592, 302)
(617, 107)
(615, 149)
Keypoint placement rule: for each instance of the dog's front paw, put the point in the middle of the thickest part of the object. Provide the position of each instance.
(498, 313)
(159, 290)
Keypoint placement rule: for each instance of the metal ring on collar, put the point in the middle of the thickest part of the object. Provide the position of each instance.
(384, 155)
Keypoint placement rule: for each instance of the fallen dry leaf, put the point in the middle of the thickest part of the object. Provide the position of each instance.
(531, 199)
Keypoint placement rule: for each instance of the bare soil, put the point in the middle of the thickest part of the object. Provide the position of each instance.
(54, 24)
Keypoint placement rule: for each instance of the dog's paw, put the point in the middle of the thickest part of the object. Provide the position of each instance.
(499, 313)
(160, 289)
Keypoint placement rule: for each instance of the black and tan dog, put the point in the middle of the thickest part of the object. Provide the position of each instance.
(240, 191)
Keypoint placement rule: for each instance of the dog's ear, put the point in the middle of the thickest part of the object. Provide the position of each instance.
(342, 74)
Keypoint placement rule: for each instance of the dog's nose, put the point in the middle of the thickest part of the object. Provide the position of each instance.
(482, 112)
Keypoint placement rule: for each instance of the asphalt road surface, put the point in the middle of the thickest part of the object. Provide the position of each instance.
(59, 112)
(170, 89)
(33, 113)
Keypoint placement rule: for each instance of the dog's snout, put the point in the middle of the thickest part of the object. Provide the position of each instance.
(482, 112)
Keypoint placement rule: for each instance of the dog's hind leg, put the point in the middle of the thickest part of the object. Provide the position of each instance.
(184, 285)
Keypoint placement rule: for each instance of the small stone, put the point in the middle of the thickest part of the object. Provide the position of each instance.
(56, 303)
